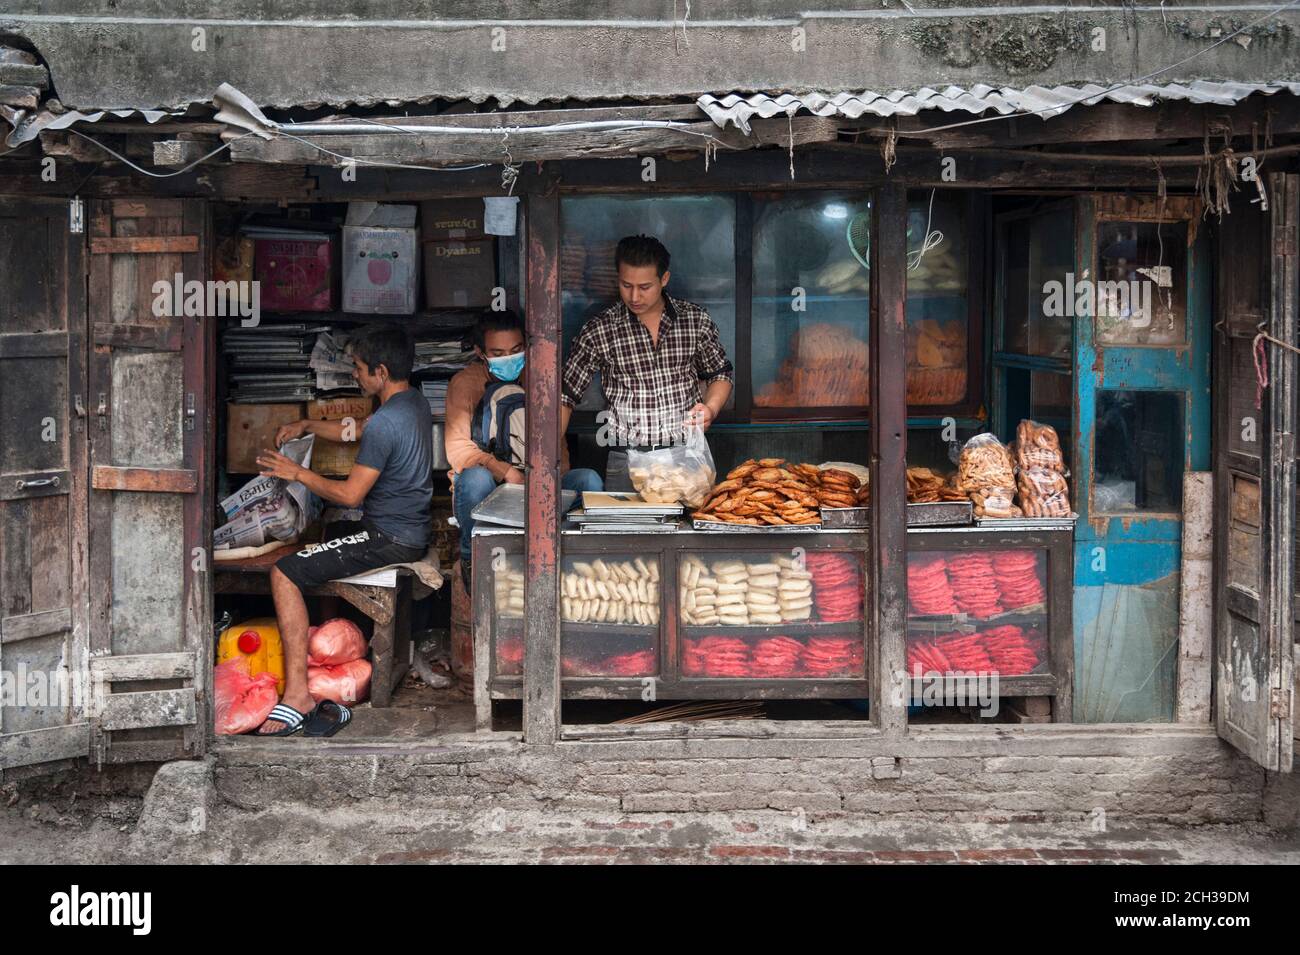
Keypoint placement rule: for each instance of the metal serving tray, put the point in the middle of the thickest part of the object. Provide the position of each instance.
(834, 518)
(751, 529)
(939, 513)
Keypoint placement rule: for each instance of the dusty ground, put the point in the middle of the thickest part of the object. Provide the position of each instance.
(104, 831)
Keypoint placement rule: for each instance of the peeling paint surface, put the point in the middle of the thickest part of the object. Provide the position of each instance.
(1127, 564)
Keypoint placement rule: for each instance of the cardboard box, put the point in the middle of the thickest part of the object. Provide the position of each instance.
(336, 409)
(459, 274)
(381, 273)
(459, 220)
(335, 458)
(296, 270)
(250, 429)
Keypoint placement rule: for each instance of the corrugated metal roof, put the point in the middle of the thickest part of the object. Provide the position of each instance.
(1039, 100)
(29, 127)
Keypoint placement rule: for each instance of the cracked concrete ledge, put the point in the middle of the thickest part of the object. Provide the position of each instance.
(142, 55)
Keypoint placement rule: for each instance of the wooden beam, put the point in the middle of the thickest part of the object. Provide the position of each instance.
(181, 152)
(888, 454)
(523, 144)
(542, 486)
(679, 112)
(144, 243)
(125, 711)
(143, 666)
(28, 625)
(1105, 122)
(162, 337)
(44, 745)
(213, 180)
(161, 480)
(33, 344)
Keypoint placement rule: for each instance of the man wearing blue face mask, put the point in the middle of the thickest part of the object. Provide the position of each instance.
(484, 429)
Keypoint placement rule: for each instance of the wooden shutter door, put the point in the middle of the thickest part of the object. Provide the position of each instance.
(43, 636)
(1255, 476)
(149, 539)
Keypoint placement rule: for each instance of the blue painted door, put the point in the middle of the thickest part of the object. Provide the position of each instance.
(1141, 300)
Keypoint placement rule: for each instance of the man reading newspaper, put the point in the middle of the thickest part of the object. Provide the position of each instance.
(391, 481)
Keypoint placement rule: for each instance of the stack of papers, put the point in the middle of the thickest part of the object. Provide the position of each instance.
(446, 356)
(270, 363)
(435, 392)
(331, 363)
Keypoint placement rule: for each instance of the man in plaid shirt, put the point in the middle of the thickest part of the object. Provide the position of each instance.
(661, 361)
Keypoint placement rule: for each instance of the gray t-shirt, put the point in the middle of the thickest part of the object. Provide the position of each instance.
(398, 443)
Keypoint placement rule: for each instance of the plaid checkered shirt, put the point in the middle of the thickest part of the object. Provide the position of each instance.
(648, 389)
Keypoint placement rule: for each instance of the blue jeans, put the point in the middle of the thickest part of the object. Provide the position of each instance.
(473, 485)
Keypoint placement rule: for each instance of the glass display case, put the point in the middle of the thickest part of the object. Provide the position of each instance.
(700, 615)
(771, 615)
(695, 615)
(995, 605)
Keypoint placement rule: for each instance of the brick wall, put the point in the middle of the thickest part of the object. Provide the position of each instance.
(1180, 778)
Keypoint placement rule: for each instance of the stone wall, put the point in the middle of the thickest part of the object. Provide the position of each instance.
(1178, 777)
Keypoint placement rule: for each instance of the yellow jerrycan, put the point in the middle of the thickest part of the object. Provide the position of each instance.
(258, 640)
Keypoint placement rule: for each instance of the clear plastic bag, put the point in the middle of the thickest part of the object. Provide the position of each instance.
(1037, 445)
(1043, 492)
(682, 473)
(985, 463)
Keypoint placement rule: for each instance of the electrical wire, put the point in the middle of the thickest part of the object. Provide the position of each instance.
(932, 239)
(158, 175)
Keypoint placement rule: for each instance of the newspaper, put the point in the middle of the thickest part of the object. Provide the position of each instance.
(331, 362)
(268, 508)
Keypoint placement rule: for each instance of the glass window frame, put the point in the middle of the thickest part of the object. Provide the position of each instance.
(1001, 359)
(742, 412)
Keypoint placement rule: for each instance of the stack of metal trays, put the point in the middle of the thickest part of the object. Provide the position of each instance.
(1028, 523)
(505, 506)
(623, 512)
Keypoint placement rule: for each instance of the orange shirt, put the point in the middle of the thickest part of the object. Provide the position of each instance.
(464, 392)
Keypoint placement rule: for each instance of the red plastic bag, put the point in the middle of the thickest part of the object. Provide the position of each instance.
(335, 641)
(343, 683)
(241, 702)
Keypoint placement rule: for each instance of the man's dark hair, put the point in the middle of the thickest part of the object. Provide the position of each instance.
(642, 250)
(490, 321)
(387, 345)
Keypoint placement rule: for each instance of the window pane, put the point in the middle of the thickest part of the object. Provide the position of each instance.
(1043, 396)
(1139, 451)
(937, 290)
(699, 233)
(811, 301)
(1141, 297)
(1037, 252)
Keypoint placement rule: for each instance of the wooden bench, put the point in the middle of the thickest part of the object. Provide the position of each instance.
(388, 607)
